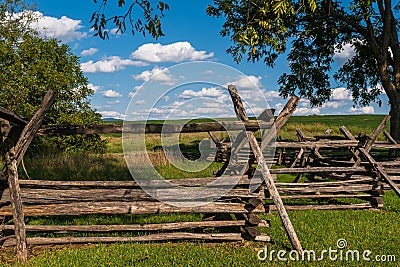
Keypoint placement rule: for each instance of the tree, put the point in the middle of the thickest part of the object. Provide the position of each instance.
(133, 13)
(317, 32)
(30, 66)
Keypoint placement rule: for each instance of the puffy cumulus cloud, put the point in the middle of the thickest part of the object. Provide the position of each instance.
(89, 52)
(156, 74)
(204, 92)
(362, 110)
(346, 52)
(131, 94)
(246, 82)
(306, 111)
(272, 95)
(341, 94)
(64, 28)
(110, 64)
(95, 88)
(334, 104)
(112, 114)
(175, 52)
(112, 94)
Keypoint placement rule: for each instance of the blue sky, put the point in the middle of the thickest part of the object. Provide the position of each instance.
(118, 67)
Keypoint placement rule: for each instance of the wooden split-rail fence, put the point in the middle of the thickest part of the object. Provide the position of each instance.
(336, 168)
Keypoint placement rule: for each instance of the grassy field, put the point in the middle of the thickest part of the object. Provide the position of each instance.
(376, 231)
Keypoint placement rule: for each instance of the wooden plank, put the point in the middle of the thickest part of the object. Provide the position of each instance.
(54, 196)
(241, 114)
(135, 128)
(142, 207)
(33, 126)
(190, 182)
(326, 207)
(326, 189)
(60, 229)
(320, 196)
(389, 137)
(13, 157)
(318, 144)
(16, 208)
(227, 237)
(286, 112)
(376, 165)
(12, 117)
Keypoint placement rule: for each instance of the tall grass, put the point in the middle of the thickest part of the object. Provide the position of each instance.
(318, 230)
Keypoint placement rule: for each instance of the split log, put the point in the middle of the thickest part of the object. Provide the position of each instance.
(189, 182)
(54, 196)
(325, 207)
(389, 137)
(13, 156)
(144, 238)
(155, 128)
(12, 117)
(318, 144)
(142, 207)
(286, 112)
(61, 229)
(377, 166)
(241, 114)
(17, 208)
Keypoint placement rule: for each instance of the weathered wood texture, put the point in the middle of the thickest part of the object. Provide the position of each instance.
(144, 238)
(241, 114)
(62, 229)
(13, 156)
(376, 165)
(16, 208)
(141, 207)
(12, 117)
(155, 128)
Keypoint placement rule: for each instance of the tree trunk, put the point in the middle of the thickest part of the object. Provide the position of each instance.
(395, 120)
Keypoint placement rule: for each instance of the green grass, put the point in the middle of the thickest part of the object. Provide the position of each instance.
(373, 230)
(317, 230)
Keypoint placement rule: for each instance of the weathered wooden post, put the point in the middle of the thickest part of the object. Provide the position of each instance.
(267, 177)
(13, 156)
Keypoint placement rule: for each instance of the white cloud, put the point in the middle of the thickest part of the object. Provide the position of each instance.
(278, 107)
(341, 94)
(272, 95)
(247, 82)
(112, 94)
(131, 94)
(110, 64)
(64, 28)
(345, 53)
(95, 88)
(175, 52)
(140, 102)
(333, 104)
(156, 74)
(362, 110)
(306, 111)
(89, 52)
(112, 114)
(204, 92)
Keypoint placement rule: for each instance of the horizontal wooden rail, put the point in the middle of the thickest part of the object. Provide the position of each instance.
(135, 128)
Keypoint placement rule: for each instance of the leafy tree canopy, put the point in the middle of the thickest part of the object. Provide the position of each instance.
(31, 65)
